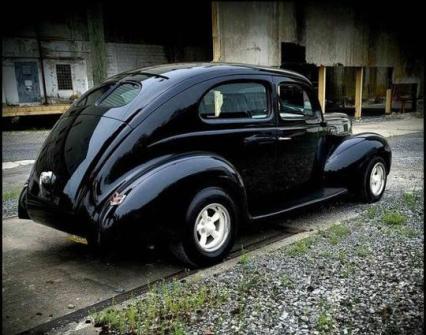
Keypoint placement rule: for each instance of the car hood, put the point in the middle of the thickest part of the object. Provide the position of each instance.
(338, 123)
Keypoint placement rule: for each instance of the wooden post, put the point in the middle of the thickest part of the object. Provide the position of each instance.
(321, 86)
(216, 32)
(358, 91)
(97, 45)
(388, 108)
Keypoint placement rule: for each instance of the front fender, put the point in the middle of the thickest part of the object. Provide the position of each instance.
(158, 199)
(347, 160)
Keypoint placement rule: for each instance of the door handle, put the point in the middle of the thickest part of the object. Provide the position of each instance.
(284, 138)
(259, 140)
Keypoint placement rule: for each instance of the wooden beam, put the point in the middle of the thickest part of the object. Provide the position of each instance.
(388, 108)
(359, 77)
(11, 111)
(321, 86)
(216, 32)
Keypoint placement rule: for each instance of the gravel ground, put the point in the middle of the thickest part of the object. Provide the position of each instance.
(10, 208)
(393, 116)
(362, 277)
(369, 282)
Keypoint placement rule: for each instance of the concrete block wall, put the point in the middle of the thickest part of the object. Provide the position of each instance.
(120, 57)
(332, 33)
(123, 56)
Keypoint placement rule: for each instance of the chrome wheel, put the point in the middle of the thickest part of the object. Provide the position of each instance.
(377, 178)
(212, 227)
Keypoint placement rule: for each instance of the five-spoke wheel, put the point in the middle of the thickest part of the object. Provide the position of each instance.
(210, 228)
(373, 180)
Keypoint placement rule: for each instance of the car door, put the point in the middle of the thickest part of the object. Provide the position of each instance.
(238, 117)
(300, 132)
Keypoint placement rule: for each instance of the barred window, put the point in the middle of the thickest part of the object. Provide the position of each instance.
(63, 74)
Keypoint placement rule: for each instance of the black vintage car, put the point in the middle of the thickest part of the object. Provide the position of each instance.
(189, 152)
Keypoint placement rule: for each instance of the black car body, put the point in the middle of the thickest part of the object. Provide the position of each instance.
(131, 155)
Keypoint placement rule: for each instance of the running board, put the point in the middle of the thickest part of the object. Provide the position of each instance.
(310, 199)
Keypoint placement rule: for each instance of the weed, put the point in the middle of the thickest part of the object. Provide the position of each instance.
(362, 251)
(408, 232)
(286, 281)
(342, 256)
(372, 212)
(337, 233)
(244, 260)
(248, 283)
(325, 254)
(300, 247)
(410, 200)
(11, 195)
(164, 309)
(348, 269)
(393, 218)
(325, 321)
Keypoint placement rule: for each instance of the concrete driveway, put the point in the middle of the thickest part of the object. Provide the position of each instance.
(48, 274)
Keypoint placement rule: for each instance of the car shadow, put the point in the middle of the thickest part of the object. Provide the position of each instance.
(138, 253)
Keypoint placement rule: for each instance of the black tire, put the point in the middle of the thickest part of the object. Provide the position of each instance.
(187, 248)
(365, 192)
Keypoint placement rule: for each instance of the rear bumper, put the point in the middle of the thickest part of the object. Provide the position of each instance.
(82, 224)
(22, 204)
(47, 214)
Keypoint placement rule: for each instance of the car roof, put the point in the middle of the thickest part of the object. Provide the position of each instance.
(183, 71)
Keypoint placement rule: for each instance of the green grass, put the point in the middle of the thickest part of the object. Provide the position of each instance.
(286, 281)
(249, 282)
(407, 231)
(393, 218)
(410, 200)
(347, 267)
(164, 309)
(336, 233)
(244, 260)
(362, 251)
(11, 195)
(325, 254)
(325, 322)
(372, 212)
(342, 256)
(300, 247)
(348, 270)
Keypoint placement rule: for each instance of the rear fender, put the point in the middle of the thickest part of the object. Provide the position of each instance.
(158, 199)
(348, 159)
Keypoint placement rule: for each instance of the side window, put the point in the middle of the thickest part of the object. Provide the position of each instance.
(293, 101)
(246, 100)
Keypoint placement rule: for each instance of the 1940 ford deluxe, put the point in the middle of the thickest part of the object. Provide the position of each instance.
(188, 152)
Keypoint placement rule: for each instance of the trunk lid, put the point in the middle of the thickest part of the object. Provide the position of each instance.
(68, 155)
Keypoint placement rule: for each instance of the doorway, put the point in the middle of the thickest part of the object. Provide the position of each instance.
(27, 82)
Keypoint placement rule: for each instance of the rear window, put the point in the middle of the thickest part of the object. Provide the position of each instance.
(119, 96)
